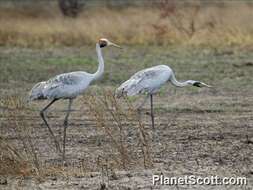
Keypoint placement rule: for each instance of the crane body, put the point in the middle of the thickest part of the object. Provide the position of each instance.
(63, 86)
(149, 81)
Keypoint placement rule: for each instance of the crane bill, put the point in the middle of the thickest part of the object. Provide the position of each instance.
(115, 45)
(205, 85)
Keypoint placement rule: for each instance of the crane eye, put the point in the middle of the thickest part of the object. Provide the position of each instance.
(102, 43)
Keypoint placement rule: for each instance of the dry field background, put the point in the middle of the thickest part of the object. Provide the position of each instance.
(200, 132)
(41, 24)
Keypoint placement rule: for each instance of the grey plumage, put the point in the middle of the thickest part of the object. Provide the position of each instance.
(150, 81)
(67, 86)
(146, 80)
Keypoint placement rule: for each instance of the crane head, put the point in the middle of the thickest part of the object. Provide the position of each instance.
(103, 42)
(198, 84)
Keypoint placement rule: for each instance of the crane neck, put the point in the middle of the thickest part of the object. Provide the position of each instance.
(176, 83)
(100, 69)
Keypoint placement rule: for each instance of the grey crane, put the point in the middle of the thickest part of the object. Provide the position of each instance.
(67, 86)
(150, 81)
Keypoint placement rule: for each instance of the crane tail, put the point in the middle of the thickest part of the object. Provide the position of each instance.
(129, 88)
(37, 92)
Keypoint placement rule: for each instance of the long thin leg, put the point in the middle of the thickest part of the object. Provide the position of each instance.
(151, 111)
(65, 125)
(42, 114)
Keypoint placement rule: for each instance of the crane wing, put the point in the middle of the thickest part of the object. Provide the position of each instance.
(146, 80)
(56, 87)
(63, 79)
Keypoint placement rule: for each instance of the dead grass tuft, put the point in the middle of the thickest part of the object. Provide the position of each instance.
(11, 161)
(125, 150)
(14, 161)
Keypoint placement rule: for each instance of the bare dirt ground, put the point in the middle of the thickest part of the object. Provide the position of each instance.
(202, 132)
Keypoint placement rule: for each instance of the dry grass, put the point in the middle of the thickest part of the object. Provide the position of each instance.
(22, 158)
(126, 151)
(211, 24)
(14, 161)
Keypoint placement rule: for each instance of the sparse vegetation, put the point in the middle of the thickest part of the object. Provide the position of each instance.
(201, 131)
(118, 122)
(14, 161)
(196, 127)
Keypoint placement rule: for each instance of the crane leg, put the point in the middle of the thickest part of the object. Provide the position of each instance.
(152, 111)
(65, 125)
(42, 114)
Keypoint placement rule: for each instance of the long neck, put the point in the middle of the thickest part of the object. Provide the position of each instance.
(100, 69)
(175, 82)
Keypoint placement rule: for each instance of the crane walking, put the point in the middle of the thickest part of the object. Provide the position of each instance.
(149, 81)
(67, 86)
